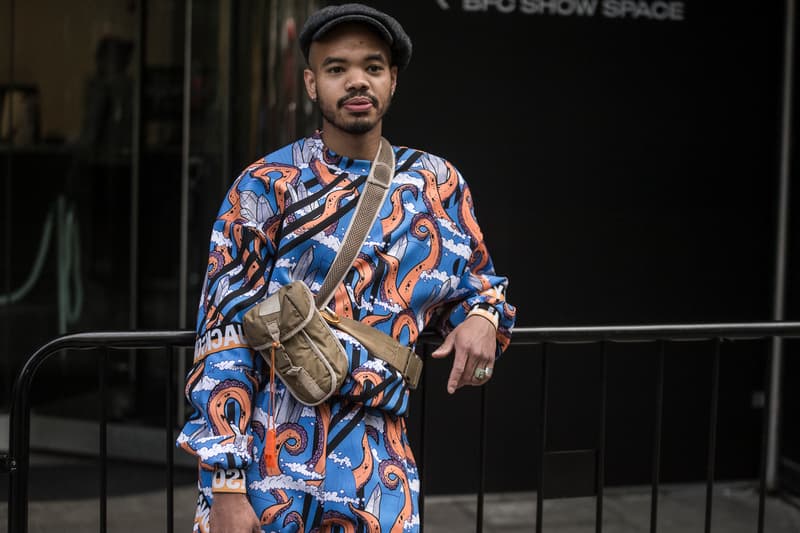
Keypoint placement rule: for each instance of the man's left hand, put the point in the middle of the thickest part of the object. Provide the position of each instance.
(474, 344)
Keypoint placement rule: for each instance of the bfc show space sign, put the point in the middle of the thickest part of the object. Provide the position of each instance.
(658, 10)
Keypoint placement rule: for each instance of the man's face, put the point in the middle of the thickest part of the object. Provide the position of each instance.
(351, 78)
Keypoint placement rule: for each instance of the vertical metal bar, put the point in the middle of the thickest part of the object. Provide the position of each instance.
(712, 435)
(136, 158)
(543, 442)
(765, 432)
(782, 238)
(185, 152)
(172, 353)
(103, 455)
(600, 465)
(8, 225)
(62, 272)
(19, 455)
(424, 415)
(481, 462)
(19, 452)
(226, 59)
(656, 457)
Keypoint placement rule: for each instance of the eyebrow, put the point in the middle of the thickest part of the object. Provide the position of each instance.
(329, 60)
(372, 57)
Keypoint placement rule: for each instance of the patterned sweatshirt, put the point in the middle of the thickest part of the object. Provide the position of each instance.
(423, 265)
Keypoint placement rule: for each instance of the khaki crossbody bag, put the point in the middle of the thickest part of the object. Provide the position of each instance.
(291, 328)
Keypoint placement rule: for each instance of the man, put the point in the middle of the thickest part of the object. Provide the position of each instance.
(345, 463)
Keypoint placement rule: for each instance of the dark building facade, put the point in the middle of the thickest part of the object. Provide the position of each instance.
(626, 160)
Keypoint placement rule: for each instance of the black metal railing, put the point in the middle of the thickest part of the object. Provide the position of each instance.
(19, 424)
(716, 332)
(18, 461)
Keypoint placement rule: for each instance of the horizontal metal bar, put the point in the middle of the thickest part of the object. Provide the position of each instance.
(744, 330)
(521, 335)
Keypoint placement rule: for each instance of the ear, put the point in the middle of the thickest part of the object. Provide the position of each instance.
(393, 71)
(311, 84)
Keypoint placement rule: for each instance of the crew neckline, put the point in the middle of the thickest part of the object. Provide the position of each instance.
(357, 166)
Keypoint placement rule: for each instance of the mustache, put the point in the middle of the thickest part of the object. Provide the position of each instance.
(364, 94)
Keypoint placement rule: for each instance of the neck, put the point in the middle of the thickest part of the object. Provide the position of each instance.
(352, 145)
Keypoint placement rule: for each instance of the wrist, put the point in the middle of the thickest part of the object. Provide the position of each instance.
(487, 313)
(229, 481)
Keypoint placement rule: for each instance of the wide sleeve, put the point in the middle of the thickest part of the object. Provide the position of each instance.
(226, 372)
(481, 291)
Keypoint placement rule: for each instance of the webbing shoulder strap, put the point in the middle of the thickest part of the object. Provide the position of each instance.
(375, 191)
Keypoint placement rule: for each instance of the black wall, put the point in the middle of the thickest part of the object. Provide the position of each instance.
(624, 171)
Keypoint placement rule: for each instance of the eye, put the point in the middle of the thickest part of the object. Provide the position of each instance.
(334, 70)
(375, 69)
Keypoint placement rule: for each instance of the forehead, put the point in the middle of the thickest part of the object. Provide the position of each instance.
(348, 39)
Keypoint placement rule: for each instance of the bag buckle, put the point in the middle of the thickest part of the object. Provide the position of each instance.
(329, 316)
(413, 370)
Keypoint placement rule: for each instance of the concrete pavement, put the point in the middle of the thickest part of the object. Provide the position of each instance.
(64, 499)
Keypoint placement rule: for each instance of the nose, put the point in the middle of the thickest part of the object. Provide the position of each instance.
(357, 81)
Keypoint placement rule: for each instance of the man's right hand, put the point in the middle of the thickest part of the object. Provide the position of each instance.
(232, 513)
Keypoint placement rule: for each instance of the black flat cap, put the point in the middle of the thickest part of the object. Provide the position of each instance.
(324, 20)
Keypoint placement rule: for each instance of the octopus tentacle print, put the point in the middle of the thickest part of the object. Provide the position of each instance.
(273, 512)
(369, 520)
(281, 175)
(394, 428)
(393, 220)
(423, 226)
(341, 302)
(317, 461)
(366, 270)
(392, 474)
(431, 196)
(362, 472)
(373, 320)
(366, 380)
(405, 321)
(480, 255)
(389, 290)
(346, 464)
(295, 518)
(229, 408)
(332, 519)
(322, 172)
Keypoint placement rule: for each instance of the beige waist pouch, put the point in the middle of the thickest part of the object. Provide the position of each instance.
(309, 359)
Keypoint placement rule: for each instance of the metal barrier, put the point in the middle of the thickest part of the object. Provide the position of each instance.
(18, 461)
(19, 424)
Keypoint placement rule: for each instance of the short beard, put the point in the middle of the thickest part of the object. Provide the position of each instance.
(358, 126)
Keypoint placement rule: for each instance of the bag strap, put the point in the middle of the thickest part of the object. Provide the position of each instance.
(375, 190)
(381, 345)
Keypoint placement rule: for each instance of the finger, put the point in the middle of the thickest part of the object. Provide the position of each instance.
(481, 373)
(444, 349)
(457, 373)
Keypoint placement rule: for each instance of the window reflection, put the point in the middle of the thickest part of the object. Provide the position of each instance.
(91, 161)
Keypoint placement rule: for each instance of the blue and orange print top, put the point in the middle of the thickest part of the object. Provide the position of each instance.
(424, 264)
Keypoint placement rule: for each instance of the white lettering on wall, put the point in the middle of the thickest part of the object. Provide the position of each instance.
(658, 10)
(564, 8)
(503, 6)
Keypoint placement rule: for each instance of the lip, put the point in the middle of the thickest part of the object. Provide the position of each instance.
(358, 104)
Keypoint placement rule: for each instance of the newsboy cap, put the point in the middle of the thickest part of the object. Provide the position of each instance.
(327, 18)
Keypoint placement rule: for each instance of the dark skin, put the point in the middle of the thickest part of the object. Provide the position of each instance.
(351, 77)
